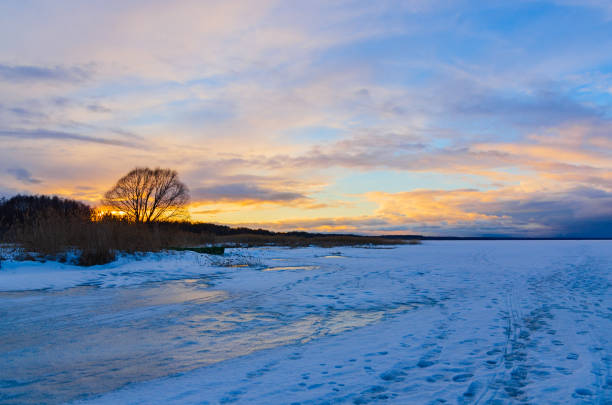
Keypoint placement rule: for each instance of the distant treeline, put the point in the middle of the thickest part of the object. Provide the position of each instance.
(23, 209)
(59, 228)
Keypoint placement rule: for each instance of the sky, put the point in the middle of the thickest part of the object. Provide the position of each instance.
(434, 117)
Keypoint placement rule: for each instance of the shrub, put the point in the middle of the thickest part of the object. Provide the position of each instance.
(94, 257)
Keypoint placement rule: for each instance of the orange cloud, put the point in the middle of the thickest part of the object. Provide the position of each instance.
(431, 206)
(548, 153)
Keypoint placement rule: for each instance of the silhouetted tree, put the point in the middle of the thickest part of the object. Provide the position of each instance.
(147, 195)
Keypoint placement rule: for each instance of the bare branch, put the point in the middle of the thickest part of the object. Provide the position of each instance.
(147, 195)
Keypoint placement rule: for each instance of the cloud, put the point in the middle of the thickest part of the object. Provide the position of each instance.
(601, 6)
(575, 212)
(60, 135)
(390, 151)
(98, 108)
(427, 206)
(244, 193)
(22, 115)
(359, 225)
(25, 73)
(538, 107)
(7, 192)
(23, 175)
(568, 154)
(25, 113)
(209, 212)
(562, 213)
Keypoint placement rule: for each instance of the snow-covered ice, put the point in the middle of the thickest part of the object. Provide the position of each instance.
(444, 322)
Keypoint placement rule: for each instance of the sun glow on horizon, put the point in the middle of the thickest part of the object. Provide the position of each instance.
(104, 212)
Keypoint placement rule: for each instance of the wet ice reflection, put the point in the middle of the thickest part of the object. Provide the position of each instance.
(279, 268)
(57, 346)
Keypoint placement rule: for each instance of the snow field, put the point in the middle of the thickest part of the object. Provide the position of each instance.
(443, 322)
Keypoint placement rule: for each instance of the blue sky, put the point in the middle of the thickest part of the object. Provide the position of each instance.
(435, 117)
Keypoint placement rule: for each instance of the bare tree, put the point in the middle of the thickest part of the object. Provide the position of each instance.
(146, 195)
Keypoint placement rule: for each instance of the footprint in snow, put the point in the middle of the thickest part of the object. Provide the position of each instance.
(582, 392)
(462, 377)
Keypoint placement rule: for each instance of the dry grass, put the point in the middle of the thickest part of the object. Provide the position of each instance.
(300, 240)
(99, 241)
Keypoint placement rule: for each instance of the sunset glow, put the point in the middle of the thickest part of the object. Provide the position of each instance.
(426, 117)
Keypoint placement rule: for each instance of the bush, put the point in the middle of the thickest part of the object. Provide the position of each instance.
(94, 257)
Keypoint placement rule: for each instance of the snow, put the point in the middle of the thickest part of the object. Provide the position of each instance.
(443, 322)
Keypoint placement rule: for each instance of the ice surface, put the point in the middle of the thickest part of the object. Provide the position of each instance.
(443, 322)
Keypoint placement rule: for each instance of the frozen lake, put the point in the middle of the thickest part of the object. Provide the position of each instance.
(444, 322)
